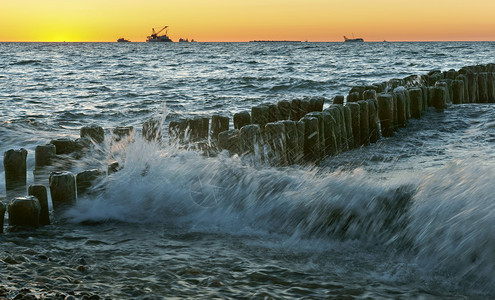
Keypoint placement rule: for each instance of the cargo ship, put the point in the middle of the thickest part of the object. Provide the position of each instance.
(353, 40)
(155, 37)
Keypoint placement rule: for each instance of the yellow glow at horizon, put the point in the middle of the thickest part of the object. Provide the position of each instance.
(239, 20)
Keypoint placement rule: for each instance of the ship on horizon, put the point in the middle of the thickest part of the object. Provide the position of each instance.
(155, 37)
(353, 39)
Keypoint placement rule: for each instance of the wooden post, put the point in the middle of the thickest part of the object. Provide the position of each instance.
(438, 96)
(14, 163)
(241, 119)
(24, 211)
(62, 190)
(364, 123)
(277, 144)
(93, 132)
(386, 113)
(284, 109)
(39, 191)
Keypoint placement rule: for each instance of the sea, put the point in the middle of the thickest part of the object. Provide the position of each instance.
(412, 216)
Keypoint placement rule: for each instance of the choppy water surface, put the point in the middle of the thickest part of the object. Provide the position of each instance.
(411, 216)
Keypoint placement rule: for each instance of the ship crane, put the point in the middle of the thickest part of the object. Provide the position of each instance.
(155, 34)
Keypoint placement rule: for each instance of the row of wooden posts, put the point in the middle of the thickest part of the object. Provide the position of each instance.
(281, 134)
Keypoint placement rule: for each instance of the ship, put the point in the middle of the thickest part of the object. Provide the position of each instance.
(122, 40)
(155, 37)
(186, 40)
(353, 40)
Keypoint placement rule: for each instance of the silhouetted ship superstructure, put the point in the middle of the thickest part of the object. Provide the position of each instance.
(353, 40)
(155, 37)
(122, 40)
(186, 40)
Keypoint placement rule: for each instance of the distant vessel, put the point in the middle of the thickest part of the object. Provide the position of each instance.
(353, 40)
(155, 37)
(122, 40)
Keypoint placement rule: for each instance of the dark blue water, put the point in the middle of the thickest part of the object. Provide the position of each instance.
(409, 217)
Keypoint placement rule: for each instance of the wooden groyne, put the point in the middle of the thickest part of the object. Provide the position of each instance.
(301, 131)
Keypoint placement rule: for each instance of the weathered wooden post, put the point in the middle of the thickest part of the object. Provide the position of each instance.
(352, 97)
(205, 128)
(311, 139)
(291, 141)
(434, 76)
(374, 121)
(301, 129)
(472, 87)
(348, 127)
(396, 112)
(330, 134)
(359, 89)
(438, 96)
(321, 131)
(296, 112)
(123, 132)
(39, 191)
(446, 87)
(464, 79)
(386, 113)
(252, 142)
(24, 211)
(483, 87)
(317, 103)
(241, 119)
(277, 144)
(369, 94)
(196, 130)
(43, 155)
(230, 140)
(273, 113)
(62, 190)
(356, 122)
(416, 96)
(491, 87)
(152, 130)
(260, 115)
(64, 145)
(284, 109)
(337, 127)
(86, 179)
(364, 123)
(177, 131)
(305, 107)
(14, 163)
(93, 132)
(457, 91)
(401, 106)
(339, 99)
(343, 146)
(426, 104)
(218, 124)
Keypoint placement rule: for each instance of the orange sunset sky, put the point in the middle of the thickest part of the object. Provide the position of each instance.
(239, 20)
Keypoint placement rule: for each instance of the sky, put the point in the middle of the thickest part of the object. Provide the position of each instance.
(240, 20)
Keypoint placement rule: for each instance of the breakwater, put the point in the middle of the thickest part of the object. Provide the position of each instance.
(301, 131)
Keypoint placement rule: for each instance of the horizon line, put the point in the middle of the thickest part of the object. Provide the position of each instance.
(264, 41)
